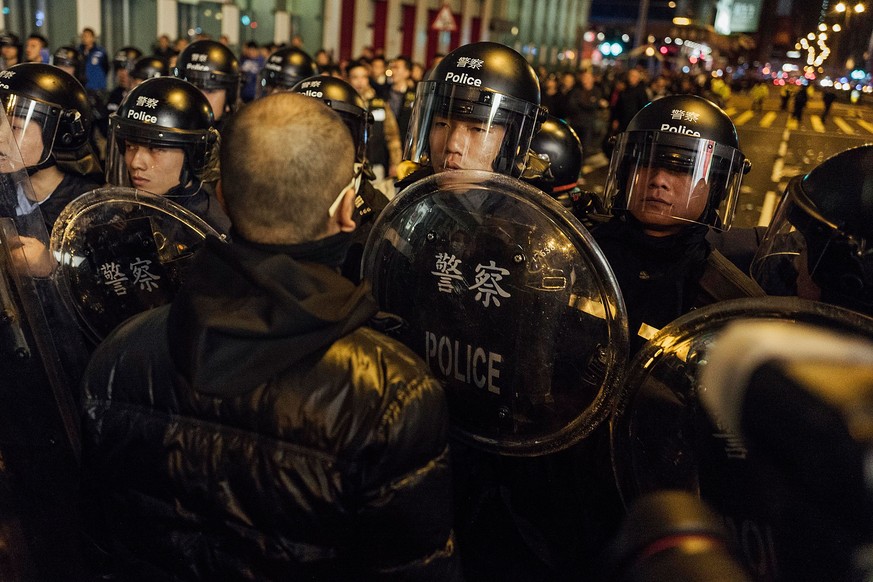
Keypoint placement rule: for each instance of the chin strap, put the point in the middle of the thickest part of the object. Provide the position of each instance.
(47, 163)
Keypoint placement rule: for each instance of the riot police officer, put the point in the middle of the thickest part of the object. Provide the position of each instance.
(458, 121)
(50, 117)
(555, 166)
(162, 140)
(147, 67)
(675, 172)
(69, 60)
(214, 69)
(369, 202)
(284, 68)
(122, 62)
(818, 245)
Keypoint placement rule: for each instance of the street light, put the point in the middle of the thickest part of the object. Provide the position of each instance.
(843, 8)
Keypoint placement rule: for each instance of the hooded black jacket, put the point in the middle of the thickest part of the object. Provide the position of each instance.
(255, 429)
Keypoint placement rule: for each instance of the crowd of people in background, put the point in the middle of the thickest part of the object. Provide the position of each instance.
(597, 103)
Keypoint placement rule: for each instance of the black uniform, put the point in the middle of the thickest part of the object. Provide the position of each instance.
(70, 188)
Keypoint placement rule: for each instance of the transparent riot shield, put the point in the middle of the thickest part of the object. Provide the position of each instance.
(662, 438)
(122, 251)
(509, 302)
(41, 355)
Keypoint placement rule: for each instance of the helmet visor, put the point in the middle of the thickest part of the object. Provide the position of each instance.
(666, 180)
(454, 127)
(195, 148)
(34, 126)
(805, 255)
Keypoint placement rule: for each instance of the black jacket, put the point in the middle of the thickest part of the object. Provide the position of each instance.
(658, 276)
(256, 430)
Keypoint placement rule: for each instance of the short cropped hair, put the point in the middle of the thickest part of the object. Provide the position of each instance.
(284, 160)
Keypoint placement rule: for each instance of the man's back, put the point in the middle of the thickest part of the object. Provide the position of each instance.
(272, 437)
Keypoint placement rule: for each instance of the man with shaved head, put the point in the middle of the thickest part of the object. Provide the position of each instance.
(256, 428)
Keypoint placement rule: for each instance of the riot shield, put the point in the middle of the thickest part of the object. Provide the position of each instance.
(122, 251)
(39, 438)
(662, 438)
(511, 304)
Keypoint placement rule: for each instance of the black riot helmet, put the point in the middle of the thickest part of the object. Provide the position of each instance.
(53, 101)
(125, 57)
(67, 56)
(559, 152)
(692, 141)
(164, 112)
(490, 92)
(345, 101)
(285, 68)
(820, 242)
(149, 67)
(211, 66)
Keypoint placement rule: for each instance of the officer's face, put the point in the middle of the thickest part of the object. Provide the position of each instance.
(456, 144)
(153, 169)
(217, 98)
(28, 136)
(664, 200)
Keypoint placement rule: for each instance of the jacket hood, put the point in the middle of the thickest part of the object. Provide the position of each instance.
(248, 312)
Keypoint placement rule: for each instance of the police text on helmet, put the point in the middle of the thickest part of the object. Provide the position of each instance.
(681, 129)
(141, 116)
(463, 79)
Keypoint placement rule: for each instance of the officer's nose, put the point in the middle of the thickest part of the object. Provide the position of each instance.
(139, 160)
(456, 142)
(658, 178)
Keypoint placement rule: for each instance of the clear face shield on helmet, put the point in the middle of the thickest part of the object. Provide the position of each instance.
(454, 127)
(154, 159)
(34, 126)
(806, 255)
(667, 180)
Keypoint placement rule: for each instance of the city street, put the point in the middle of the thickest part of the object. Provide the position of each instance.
(779, 148)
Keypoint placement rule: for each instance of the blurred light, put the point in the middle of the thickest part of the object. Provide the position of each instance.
(859, 8)
(514, 31)
(625, 38)
(836, 28)
(605, 48)
(686, 69)
(679, 41)
(191, 32)
(793, 54)
(858, 74)
(246, 20)
(254, 24)
(600, 36)
(692, 60)
(681, 21)
(588, 36)
(671, 4)
(650, 52)
(822, 36)
(617, 49)
(811, 36)
(840, 7)
(219, 16)
(663, 50)
(5, 10)
(207, 12)
(822, 26)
